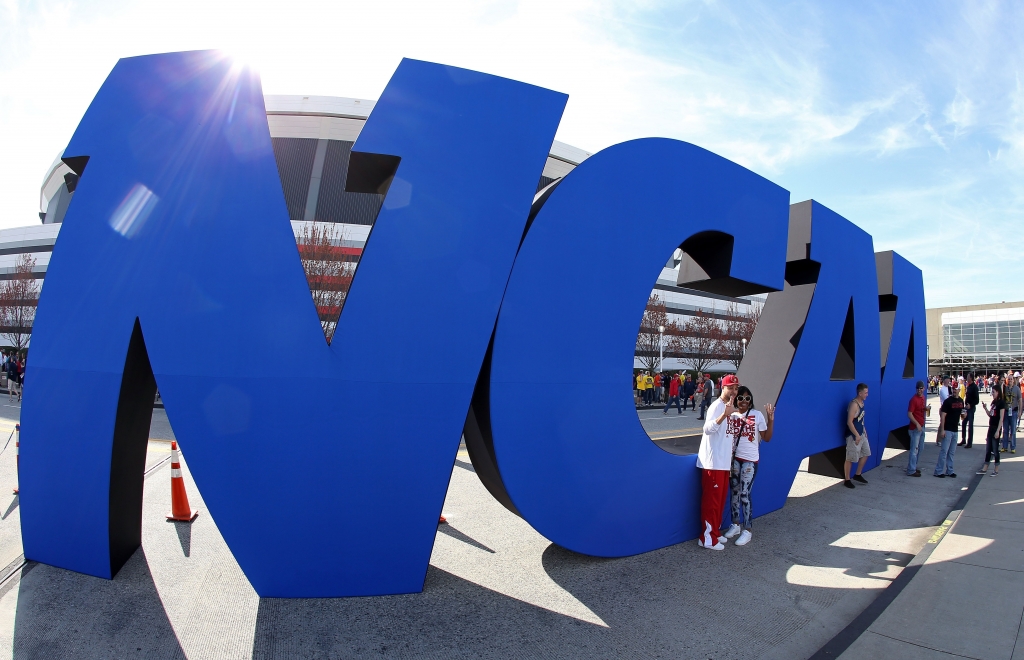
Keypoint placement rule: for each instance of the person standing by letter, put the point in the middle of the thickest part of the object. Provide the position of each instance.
(714, 459)
(950, 415)
(915, 411)
(857, 447)
(747, 428)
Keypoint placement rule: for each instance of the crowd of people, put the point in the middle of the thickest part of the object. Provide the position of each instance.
(958, 404)
(733, 430)
(13, 364)
(678, 387)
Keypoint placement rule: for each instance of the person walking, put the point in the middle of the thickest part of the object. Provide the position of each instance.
(951, 414)
(1011, 395)
(995, 428)
(714, 459)
(915, 411)
(747, 427)
(673, 395)
(709, 396)
(857, 447)
(689, 389)
(970, 407)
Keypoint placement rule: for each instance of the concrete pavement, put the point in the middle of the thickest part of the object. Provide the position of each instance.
(967, 597)
(494, 587)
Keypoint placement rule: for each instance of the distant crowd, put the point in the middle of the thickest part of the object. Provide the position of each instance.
(677, 388)
(13, 364)
(733, 430)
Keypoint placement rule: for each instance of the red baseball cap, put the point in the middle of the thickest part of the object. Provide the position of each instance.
(730, 380)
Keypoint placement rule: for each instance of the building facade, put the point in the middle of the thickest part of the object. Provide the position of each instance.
(976, 338)
(312, 139)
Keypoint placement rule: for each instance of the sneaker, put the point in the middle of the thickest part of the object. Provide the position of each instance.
(1013, 451)
(744, 537)
(1001, 450)
(960, 444)
(722, 539)
(951, 475)
(733, 531)
(914, 474)
(717, 546)
(994, 474)
(848, 484)
(940, 476)
(860, 478)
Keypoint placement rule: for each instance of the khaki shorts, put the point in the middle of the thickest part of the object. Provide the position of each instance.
(855, 452)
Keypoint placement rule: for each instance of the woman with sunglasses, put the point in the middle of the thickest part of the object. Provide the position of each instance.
(748, 427)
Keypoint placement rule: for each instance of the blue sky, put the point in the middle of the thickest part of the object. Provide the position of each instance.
(908, 119)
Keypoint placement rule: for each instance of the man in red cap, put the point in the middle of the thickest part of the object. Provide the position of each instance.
(714, 459)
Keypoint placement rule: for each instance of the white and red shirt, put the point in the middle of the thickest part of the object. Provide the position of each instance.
(715, 451)
(745, 431)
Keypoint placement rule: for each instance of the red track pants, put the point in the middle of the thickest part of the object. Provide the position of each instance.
(714, 492)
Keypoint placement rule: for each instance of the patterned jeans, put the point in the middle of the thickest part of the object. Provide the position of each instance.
(741, 478)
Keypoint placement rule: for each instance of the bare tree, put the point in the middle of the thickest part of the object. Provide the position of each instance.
(19, 296)
(648, 338)
(329, 269)
(699, 342)
(738, 325)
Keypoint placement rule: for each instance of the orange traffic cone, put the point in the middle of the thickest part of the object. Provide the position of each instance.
(17, 453)
(180, 509)
(442, 520)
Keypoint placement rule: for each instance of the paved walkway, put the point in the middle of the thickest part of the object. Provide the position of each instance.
(496, 588)
(967, 598)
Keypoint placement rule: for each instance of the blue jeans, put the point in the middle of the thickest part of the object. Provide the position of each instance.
(669, 404)
(1010, 430)
(945, 463)
(916, 444)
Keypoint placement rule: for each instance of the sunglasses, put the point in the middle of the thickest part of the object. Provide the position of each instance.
(744, 398)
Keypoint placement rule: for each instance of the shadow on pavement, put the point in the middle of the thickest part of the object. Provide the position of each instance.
(448, 530)
(12, 507)
(184, 530)
(62, 614)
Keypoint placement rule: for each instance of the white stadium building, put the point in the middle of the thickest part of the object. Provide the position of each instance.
(312, 138)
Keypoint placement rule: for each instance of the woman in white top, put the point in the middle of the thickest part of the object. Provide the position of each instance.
(748, 427)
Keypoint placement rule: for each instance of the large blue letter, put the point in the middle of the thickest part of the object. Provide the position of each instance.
(177, 261)
(815, 341)
(580, 469)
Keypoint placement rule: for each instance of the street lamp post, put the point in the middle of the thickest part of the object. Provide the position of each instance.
(661, 348)
(744, 340)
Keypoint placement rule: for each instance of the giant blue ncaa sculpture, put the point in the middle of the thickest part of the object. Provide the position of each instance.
(177, 267)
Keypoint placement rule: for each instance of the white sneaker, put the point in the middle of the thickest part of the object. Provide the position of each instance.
(717, 546)
(733, 531)
(744, 537)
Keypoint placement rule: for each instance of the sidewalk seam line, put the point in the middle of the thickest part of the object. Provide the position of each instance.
(922, 646)
(994, 568)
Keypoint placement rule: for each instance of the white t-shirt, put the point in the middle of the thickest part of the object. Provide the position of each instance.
(943, 395)
(715, 451)
(745, 431)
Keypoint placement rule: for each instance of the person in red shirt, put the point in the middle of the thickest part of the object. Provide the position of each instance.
(657, 387)
(915, 412)
(673, 395)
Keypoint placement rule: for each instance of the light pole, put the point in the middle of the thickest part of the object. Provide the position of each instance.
(744, 340)
(661, 348)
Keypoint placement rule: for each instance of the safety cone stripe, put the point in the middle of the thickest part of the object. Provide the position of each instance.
(175, 473)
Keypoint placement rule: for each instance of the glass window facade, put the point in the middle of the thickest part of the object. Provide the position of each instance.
(982, 340)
